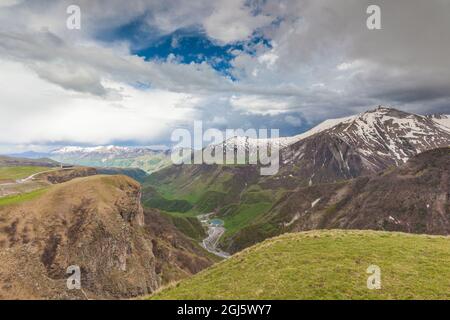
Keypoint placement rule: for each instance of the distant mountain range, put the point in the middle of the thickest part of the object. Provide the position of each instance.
(369, 142)
(147, 159)
(7, 161)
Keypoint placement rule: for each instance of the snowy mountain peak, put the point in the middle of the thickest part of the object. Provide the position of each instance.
(441, 119)
(111, 149)
(392, 133)
(382, 109)
(283, 142)
(364, 144)
(382, 125)
(85, 150)
(144, 158)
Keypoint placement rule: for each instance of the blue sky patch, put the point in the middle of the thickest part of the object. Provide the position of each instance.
(186, 45)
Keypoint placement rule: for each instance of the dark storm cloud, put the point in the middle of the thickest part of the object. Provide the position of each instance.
(403, 63)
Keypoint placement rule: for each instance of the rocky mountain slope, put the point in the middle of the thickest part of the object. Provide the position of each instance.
(355, 145)
(364, 144)
(98, 224)
(340, 149)
(415, 198)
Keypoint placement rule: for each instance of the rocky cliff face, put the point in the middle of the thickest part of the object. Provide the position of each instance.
(93, 223)
(64, 175)
(96, 223)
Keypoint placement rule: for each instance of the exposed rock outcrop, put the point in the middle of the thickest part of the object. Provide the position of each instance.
(96, 223)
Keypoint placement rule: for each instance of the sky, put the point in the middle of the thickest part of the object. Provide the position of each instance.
(138, 69)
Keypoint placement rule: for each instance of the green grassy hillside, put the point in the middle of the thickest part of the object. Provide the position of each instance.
(15, 173)
(255, 208)
(327, 265)
(19, 198)
(230, 191)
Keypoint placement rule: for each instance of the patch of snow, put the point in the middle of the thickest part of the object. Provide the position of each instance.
(107, 150)
(294, 218)
(315, 202)
(283, 142)
(396, 221)
(443, 121)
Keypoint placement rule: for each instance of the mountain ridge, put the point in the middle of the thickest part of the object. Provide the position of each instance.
(413, 197)
(441, 119)
(143, 158)
(239, 195)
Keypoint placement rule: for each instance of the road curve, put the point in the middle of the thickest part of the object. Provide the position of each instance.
(214, 233)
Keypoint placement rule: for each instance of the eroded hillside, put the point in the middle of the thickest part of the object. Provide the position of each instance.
(98, 224)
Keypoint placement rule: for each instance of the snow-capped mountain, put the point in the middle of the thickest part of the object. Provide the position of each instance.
(364, 144)
(101, 151)
(367, 121)
(377, 136)
(392, 133)
(250, 144)
(143, 158)
(335, 149)
(348, 147)
(442, 119)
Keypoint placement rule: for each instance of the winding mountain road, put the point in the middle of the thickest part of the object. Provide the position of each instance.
(20, 181)
(32, 176)
(214, 233)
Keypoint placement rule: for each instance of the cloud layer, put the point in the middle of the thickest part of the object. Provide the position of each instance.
(318, 60)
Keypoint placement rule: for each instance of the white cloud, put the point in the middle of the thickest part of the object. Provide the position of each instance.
(294, 121)
(344, 66)
(9, 3)
(323, 63)
(269, 58)
(351, 65)
(232, 20)
(219, 121)
(259, 104)
(82, 68)
(36, 112)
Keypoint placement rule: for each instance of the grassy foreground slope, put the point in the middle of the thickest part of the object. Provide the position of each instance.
(327, 265)
(19, 198)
